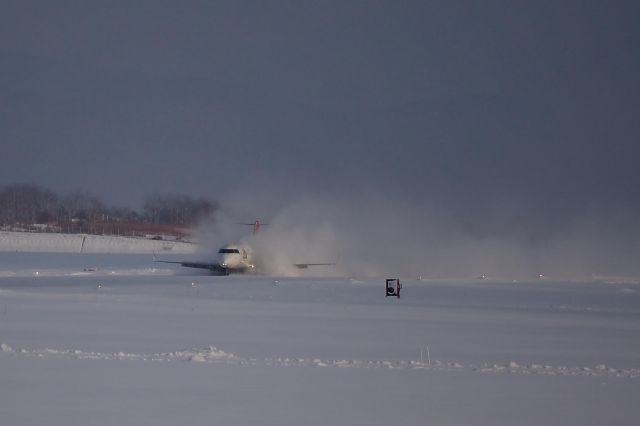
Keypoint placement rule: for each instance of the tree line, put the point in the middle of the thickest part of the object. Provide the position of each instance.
(34, 204)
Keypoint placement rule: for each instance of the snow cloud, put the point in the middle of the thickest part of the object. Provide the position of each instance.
(376, 235)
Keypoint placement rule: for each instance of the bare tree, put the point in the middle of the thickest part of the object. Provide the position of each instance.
(27, 203)
(81, 211)
(176, 209)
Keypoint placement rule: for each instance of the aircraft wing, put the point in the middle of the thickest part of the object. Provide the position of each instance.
(217, 269)
(213, 267)
(306, 265)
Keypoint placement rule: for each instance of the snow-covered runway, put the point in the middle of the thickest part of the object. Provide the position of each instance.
(110, 339)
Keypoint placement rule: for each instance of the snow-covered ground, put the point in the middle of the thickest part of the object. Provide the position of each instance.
(106, 339)
(84, 243)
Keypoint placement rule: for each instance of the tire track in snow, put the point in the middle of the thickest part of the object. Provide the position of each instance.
(213, 355)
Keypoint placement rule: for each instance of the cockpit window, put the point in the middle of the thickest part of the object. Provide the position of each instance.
(228, 251)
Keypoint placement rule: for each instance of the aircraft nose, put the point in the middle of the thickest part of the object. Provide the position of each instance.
(226, 260)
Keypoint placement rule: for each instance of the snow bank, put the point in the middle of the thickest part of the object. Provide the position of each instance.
(77, 243)
(213, 355)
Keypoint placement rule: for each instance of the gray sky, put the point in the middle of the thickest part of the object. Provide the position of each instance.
(530, 104)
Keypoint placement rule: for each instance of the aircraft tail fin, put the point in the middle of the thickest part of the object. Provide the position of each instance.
(256, 226)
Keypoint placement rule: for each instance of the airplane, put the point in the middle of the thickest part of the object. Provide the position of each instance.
(236, 258)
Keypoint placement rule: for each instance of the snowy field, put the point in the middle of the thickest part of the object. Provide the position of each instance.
(106, 339)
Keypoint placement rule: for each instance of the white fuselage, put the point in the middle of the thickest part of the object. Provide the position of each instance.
(236, 258)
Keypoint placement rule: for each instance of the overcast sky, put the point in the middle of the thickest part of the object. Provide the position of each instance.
(479, 103)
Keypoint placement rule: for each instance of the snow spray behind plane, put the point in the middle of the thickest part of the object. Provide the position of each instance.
(376, 235)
